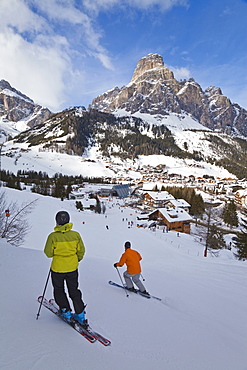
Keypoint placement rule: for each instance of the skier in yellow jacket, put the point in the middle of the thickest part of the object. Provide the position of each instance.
(132, 260)
(66, 249)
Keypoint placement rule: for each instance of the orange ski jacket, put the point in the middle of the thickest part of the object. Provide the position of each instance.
(132, 260)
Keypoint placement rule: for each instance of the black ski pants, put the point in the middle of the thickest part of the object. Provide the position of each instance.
(60, 296)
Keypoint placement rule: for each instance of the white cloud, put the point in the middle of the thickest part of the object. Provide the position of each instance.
(16, 14)
(174, 50)
(35, 69)
(226, 11)
(36, 53)
(180, 73)
(65, 10)
(98, 5)
(163, 4)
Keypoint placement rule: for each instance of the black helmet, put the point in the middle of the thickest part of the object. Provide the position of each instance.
(62, 217)
(127, 245)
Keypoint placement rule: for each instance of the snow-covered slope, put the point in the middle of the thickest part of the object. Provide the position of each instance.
(201, 323)
(187, 132)
(92, 165)
(10, 128)
(174, 121)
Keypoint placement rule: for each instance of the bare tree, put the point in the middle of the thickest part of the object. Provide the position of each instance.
(210, 231)
(13, 220)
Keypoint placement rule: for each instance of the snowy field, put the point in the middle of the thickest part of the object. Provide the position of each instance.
(201, 323)
(52, 163)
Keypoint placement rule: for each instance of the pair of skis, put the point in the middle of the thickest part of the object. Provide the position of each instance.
(136, 292)
(86, 331)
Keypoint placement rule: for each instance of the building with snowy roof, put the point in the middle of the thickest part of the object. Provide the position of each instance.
(157, 199)
(241, 197)
(173, 218)
(181, 203)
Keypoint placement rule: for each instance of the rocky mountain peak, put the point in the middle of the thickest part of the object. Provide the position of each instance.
(7, 89)
(154, 90)
(15, 106)
(4, 85)
(151, 66)
(213, 90)
(151, 90)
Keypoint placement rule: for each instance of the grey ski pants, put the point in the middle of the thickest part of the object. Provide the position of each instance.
(130, 279)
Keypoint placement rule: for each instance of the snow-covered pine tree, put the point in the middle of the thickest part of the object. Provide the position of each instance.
(241, 242)
(229, 214)
(215, 238)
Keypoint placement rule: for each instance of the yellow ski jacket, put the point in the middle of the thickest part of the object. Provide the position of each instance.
(66, 248)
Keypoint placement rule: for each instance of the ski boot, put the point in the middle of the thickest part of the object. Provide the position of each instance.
(81, 319)
(131, 289)
(145, 292)
(66, 314)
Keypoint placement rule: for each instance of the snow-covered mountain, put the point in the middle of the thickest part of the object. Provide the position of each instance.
(154, 115)
(154, 90)
(18, 112)
(121, 139)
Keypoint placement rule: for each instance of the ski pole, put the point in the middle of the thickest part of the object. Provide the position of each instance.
(142, 277)
(43, 294)
(122, 282)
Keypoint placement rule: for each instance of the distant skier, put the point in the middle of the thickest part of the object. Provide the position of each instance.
(132, 260)
(66, 249)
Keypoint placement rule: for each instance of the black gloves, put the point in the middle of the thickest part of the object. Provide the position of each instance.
(115, 265)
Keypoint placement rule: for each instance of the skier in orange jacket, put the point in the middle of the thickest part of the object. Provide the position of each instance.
(132, 260)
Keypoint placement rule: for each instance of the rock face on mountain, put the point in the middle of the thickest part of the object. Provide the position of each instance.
(154, 90)
(15, 106)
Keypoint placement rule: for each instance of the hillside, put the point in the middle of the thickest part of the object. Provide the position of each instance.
(152, 115)
(124, 139)
(200, 324)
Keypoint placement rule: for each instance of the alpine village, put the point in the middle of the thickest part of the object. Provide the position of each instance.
(174, 153)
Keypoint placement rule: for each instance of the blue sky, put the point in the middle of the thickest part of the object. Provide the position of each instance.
(63, 53)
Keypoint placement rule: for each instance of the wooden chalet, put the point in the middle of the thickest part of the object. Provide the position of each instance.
(173, 218)
(241, 197)
(178, 203)
(157, 199)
